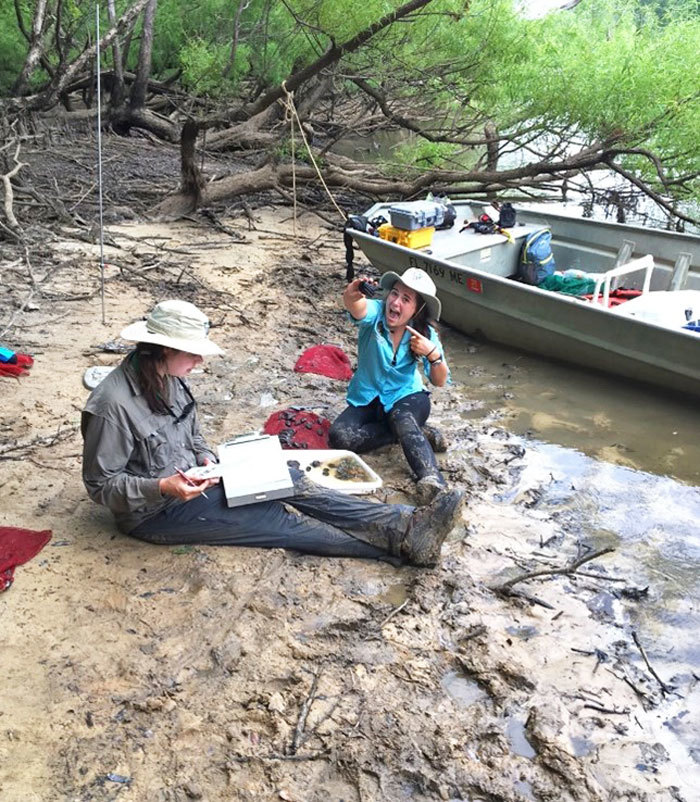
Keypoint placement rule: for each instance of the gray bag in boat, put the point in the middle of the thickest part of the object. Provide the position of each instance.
(536, 257)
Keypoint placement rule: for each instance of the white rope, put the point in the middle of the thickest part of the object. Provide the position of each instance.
(292, 108)
(99, 159)
(294, 168)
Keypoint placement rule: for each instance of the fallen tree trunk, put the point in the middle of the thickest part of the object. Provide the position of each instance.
(126, 118)
(343, 173)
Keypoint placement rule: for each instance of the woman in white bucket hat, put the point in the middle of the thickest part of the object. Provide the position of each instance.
(387, 400)
(141, 433)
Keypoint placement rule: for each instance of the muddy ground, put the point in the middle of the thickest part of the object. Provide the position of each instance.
(139, 672)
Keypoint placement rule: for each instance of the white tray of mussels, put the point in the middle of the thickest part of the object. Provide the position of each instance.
(336, 469)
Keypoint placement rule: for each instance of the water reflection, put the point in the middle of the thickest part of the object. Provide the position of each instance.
(615, 421)
(464, 691)
(613, 461)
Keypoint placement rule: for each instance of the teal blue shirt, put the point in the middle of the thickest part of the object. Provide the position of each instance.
(380, 372)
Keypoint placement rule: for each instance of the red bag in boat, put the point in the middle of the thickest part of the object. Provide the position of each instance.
(617, 297)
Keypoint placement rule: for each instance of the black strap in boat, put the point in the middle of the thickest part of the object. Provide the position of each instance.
(357, 222)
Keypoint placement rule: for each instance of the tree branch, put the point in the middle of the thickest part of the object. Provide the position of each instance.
(332, 55)
(404, 122)
(9, 196)
(49, 96)
(647, 190)
(567, 569)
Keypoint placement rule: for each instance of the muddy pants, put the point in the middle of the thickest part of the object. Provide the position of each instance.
(362, 429)
(328, 523)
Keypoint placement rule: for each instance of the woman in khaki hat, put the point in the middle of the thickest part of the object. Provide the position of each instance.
(387, 398)
(141, 434)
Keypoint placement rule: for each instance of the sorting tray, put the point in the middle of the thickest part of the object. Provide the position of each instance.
(366, 482)
(94, 375)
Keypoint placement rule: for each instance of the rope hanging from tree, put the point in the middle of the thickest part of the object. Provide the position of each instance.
(293, 115)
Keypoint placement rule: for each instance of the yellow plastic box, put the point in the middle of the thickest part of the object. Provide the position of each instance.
(419, 238)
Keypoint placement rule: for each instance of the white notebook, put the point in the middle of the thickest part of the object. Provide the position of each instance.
(253, 469)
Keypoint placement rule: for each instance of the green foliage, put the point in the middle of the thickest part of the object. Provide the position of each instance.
(425, 154)
(204, 64)
(13, 47)
(616, 70)
(620, 69)
(283, 152)
(609, 69)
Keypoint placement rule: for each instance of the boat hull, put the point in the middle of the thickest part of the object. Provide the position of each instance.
(486, 303)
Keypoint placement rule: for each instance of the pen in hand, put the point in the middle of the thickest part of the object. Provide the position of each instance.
(189, 481)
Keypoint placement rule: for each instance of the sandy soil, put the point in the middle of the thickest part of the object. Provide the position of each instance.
(140, 672)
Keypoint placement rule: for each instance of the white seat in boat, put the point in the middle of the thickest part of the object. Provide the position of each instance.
(680, 271)
(670, 309)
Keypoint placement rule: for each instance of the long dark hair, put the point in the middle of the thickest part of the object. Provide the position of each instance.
(146, 360)
(422, 322)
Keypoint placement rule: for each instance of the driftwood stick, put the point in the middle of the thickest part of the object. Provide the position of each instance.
(478, 630)
(304, 712)
(528, 597)
(664, 687)
(252, 758)
(61, 435)
(567, 569)
(393, 613)
(17, 313)
(612, 710)
(645, 697)
(308, 733)
(9, 195)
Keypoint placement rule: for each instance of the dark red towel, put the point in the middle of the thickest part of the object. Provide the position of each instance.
(17, 546)
(326, 360)
(298, 429)
(18, 366)
(617, 297)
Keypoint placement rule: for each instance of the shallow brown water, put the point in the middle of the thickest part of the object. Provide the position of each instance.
(613, 420)
(617, 465)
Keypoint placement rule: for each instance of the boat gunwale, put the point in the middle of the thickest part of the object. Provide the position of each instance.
(609, 224)
(520, 286)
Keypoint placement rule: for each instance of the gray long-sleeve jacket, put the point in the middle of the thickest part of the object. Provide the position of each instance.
(127, 447)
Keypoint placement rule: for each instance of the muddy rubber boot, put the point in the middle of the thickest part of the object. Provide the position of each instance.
(420, 456)
(429, 526)
(437, 440)
(428, 487)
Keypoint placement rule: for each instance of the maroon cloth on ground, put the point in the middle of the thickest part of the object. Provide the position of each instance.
(17, 546)
(19, 367)
(298, 429)
(326, 360)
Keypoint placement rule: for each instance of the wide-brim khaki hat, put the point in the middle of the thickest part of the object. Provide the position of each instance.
(417, 280)
(175, 324)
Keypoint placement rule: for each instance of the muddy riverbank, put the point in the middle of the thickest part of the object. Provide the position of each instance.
(141, 672)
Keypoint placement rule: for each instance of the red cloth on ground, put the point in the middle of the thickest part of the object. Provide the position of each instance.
(19, 367)
(17, 546)
(326, 360)
(298, 429)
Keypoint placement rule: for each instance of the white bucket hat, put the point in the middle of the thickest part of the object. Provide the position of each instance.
(417, 280)
(175, 324)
